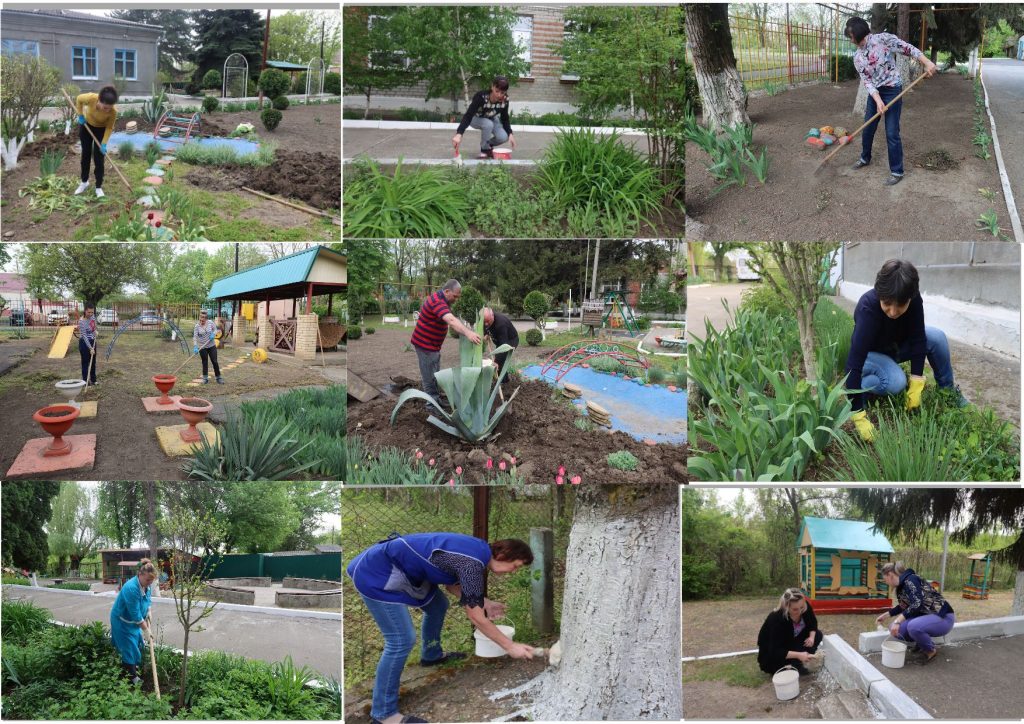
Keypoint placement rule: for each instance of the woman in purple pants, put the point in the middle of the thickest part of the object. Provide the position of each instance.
(920, 613)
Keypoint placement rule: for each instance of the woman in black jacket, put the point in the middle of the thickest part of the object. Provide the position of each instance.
(920, 611)
(789, 635)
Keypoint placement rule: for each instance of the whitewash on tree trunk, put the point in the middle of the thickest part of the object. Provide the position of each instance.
(1018, 596)
(723, 97)
(620, 629)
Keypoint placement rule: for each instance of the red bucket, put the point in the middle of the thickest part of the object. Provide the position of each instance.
(502, 154)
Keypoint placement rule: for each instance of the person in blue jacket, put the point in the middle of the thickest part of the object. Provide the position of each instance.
(405, 571)
(920, 611)
(128, 619)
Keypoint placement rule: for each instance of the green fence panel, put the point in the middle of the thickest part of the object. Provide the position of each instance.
(237, 565)
(325, 566)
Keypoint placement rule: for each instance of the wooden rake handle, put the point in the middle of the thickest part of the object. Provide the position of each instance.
(185, 363)
(871, 120)
(152, 658)
(112, 164)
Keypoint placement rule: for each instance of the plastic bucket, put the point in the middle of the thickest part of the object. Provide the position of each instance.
(787, 683)
(503, 154)
(893, 653)
(487, 648)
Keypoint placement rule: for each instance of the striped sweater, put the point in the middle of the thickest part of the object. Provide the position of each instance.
(87, 330)
(204, 336)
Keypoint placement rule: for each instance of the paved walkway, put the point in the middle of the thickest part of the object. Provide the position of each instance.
(704, 301)
(311, 639)
(1004, 79)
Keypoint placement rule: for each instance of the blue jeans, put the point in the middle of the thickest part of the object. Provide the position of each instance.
(491, 132)
(88, 360)
(883, 375)
(395, 623)
(892, 129)
(921, 629)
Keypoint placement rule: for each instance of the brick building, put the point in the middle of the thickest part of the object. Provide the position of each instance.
(547, 89)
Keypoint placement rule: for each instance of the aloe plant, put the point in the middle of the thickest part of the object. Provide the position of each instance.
(468, 388)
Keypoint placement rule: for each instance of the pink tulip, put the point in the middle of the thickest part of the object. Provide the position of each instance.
(490, 464)
(513, 459)
(576, 480)
(561, 470)
(501, 465)
(560, 480)
(451, 482)
(430, 462)
(458, 470)
(419, 455)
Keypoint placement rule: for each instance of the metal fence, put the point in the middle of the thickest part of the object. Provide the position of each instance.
(54, 313)
(369, 515)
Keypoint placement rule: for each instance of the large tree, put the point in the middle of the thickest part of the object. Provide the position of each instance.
(183, 281)
(88, 271)
(257, 517)
(177, 41)
(372, 56)
(311, 501)
(121, 511)
(295, 35)
(223, 32)
(723, 97)
(73, 529)
(620, 626)
(912, 512)
(27, 84)
(25, 509)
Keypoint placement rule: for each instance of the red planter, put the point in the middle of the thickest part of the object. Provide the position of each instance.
(164, 383)
(194, 410)
(57, 420)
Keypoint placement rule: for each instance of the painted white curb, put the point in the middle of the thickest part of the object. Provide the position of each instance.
(444, 161)
(853, 671)
(871, 641)
(1004, 179)
(519, 128)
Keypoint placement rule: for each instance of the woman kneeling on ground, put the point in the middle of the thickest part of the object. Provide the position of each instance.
(128, 619)
(405, 571)
(921, 611)
(789, 635)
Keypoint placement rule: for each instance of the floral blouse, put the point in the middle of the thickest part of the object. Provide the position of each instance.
(876, 61)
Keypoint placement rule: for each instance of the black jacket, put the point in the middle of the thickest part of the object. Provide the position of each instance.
(502, 331)
(776, 638)
(917, 598)
(482, 106)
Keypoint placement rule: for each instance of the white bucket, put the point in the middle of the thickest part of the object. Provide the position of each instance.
(487, 648)
(787, 683)
(893, 653)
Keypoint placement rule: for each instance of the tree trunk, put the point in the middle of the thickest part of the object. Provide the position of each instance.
(903, 21)
(1018, 595)
(723, 96)
(878, 13)
(719, 265)
(154, 534)
(184, 671)
(620, 632)
(805, 320)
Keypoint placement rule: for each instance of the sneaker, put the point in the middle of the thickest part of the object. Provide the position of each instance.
(220, 380)
(137, 681)
(489, 153)
(861, 163)
(893, 180)
(99, 193)
(206, 380)
(451, 656)
(81, 187)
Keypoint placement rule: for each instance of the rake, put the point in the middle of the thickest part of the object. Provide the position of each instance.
(96, 140)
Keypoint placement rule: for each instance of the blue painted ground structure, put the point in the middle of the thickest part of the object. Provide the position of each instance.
(640, 412)
(139, 140)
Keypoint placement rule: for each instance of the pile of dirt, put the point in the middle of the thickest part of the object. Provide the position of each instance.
(142, 124)
(538, 431)
(59, 142)
(938, 159)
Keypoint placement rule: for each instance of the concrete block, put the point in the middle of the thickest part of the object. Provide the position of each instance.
(310, 584)
(850, 669)
(31, 463)
(312, 599)
(171, 443)
(151, 404)
(986, 628)
(856, 704)
(893, 703)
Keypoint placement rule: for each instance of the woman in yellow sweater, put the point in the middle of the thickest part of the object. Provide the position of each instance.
(97, 110)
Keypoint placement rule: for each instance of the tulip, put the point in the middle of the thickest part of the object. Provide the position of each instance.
(489, 464)
(561, 470)
(419, 455)
(576, 480)
(150, 215)
(157, 224)
(451, 482)
(513, 457)
(560, 480)
(430, 462)
(458, 470)
(501, 465)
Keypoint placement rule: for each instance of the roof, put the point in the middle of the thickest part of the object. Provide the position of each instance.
(278, 274)
(88, 17)
(327, 548)
(285, 65)
(13, 283)
(854, 535)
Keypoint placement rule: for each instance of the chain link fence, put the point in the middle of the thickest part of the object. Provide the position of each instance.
(371, 514)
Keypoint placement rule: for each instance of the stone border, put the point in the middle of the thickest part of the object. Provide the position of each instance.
(311, 584)
(871, 641)
(853, 671)
(312, 599)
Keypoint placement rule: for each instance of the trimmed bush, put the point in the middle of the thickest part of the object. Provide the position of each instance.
(332, 83)
(212, 79)
(281, 103)
(271, 117)
(534, 337)
(355, 331)
(210, 104)
(273, 82)
(370, 330)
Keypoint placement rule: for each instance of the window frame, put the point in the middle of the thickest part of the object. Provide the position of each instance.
(85, 62)
(124, 61)
(19, 52)
(528, 44)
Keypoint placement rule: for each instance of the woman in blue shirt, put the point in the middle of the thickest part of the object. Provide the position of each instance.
(405, 571)
(128, 619)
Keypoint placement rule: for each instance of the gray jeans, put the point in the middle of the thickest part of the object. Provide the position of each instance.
(430, 363)
(491, 132)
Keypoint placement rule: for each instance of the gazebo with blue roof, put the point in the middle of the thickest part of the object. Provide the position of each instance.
(841, 565)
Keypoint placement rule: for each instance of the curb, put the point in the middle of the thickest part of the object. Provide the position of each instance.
(871, 641)
(521, 128)
(853, 671)
(1004, 179)
(443, 162)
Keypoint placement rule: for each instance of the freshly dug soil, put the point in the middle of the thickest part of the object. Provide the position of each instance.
(40, 145)
(536, 430)
(298, 130)
(313, 178)
(840, 203)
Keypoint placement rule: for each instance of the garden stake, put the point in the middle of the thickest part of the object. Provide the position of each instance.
(850, 137)
(152, 657)
(96, 140)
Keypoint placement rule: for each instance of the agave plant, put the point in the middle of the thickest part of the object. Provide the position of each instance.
(469, 391)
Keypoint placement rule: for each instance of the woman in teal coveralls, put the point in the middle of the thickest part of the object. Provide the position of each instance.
(128, 619)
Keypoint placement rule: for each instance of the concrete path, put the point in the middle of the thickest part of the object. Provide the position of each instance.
(1004, 79)
(437, 144)
(311, 639)
(704, 301)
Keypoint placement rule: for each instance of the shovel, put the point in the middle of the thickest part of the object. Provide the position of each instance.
(847, 139)
(152, 657)
(96, 140)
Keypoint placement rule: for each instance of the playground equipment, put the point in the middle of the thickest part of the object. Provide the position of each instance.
(60, 343)
(179, 129)
(841, 564)
(979, 580)
(563, 359)
(612, 311)
(148, 319)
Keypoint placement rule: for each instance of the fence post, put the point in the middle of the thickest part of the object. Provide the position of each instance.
(789, 46)
(481, 513)
(542, 593)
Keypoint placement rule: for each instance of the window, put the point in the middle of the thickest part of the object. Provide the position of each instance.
(522, 35)
(15, 47)
(83, 63)
(851, 572)
(571, 30)
(391, 57)
(124, 64)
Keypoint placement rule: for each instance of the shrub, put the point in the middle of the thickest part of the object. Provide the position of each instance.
(763, 298)
(212, 79)
(16, 580)
(126, 149)
(355, 331)
(201, 155)
(332, 83)
(500, 206)
(622, 460)
(846, 69)
(656, 375)
(273, 82)
(469, 304)
(250, 88)
(210, 104)
(643, 323)
(424, 203)
(22, 620)
(534, 337)
(152, 152)
(659, 298)
(281, 103)
(370, 330)
(71, 586)
(537, 304)
(271, 117)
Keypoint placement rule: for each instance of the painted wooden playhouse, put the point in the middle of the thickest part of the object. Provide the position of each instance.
(841, 565)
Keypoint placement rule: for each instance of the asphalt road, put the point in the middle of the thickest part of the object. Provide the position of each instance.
(1004, 79)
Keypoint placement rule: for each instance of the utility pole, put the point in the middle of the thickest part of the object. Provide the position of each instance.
(266, 43)
(236, 257)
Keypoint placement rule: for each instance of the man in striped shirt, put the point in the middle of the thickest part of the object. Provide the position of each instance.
(431, 329)
(87, 343)
(204, 343)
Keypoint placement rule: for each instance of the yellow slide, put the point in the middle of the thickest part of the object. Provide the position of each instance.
(61, 342)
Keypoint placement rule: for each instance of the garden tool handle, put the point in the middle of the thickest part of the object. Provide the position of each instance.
(152, 656)
(114, 165)
(871, 120)
(185, 362)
